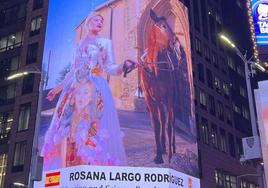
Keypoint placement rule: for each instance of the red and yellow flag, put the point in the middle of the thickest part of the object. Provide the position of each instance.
(190, 183)
(52, 179)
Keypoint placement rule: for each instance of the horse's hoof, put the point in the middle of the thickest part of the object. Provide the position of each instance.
(158, 160)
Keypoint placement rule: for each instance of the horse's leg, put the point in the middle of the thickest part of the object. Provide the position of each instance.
(163, 117)
(172, 120)
(171, 133)
(156, 126)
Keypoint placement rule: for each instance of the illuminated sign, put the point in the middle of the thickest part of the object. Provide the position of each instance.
(261, 99)
(260, 18)
(98, 118)
(119, 177)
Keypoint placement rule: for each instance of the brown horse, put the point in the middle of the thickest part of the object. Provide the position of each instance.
(159, 78)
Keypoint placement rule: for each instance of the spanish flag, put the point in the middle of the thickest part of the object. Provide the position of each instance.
(190, 183)
(52, 179)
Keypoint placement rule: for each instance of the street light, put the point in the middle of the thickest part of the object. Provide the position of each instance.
(18, 184)
(36, 159)
(227, 40)
(248, 74)
(230, 43)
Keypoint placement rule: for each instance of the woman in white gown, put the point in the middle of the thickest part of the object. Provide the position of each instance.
(85, 129)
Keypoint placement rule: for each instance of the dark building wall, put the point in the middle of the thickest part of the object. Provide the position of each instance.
(18, 16)
(220, 160)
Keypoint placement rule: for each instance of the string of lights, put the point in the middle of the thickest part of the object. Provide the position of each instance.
(253, 35)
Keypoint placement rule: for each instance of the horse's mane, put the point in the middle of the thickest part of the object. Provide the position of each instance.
(157, 39)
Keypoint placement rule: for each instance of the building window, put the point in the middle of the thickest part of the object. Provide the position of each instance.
(239, 148)
(239, 3)
(7, 94)
(219, 178)
(240, 71)
(202, 99)
(6, 120)
(231, 145)
(37, 4)
(198, 46)
(212, 25)
(8, 66)
(212, 108)
(217, 84)
(231, 63)
(206, 52)
(226, 89)
(218, 18)
(196, 14)
(24, 116)
(223, 143)
(35, 26)
(12, 15)
(242, 91)
(11, 41)
(204, 18)
(214, 59)
(237, 109)
(19, 156)
(228, 115)
(201, 74)
(28, 84)
(209, 78)
(246, 184)
(224, 179)
(3, 165)
(245, 112)
(214, 136)
(220, 112)
(222, 64)
(204, 131)
(32, 53)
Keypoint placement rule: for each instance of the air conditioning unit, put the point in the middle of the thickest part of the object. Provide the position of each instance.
(251, 148)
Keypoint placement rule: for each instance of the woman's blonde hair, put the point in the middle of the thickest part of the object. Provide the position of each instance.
(90, 16)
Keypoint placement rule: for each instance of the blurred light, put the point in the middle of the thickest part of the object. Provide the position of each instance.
(17, 75)
(10, 120)
(261, 68)
(19, 184)
(227, 40)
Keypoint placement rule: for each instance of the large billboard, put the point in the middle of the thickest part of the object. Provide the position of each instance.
(118, 105)
(262, 111)
(260, 19)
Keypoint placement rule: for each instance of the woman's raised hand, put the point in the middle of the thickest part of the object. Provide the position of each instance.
(53, 92)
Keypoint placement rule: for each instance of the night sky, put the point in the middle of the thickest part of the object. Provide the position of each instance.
(63, 18)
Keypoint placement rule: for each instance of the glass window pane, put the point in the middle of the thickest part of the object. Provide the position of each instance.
(10, 91)
(11, 41)
(14, 63)
(33, 24)
(3, 164)
(24, 117)
(38, 23)
(3, 44)
(19, 155)
(19, 37)
(22, 11)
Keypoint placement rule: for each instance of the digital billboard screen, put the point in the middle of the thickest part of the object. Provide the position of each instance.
(262, 112)
(118, 102)
(260, 19)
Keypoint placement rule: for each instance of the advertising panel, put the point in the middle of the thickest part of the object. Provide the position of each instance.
(260, 19)
(262, 111)
(118, 105)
